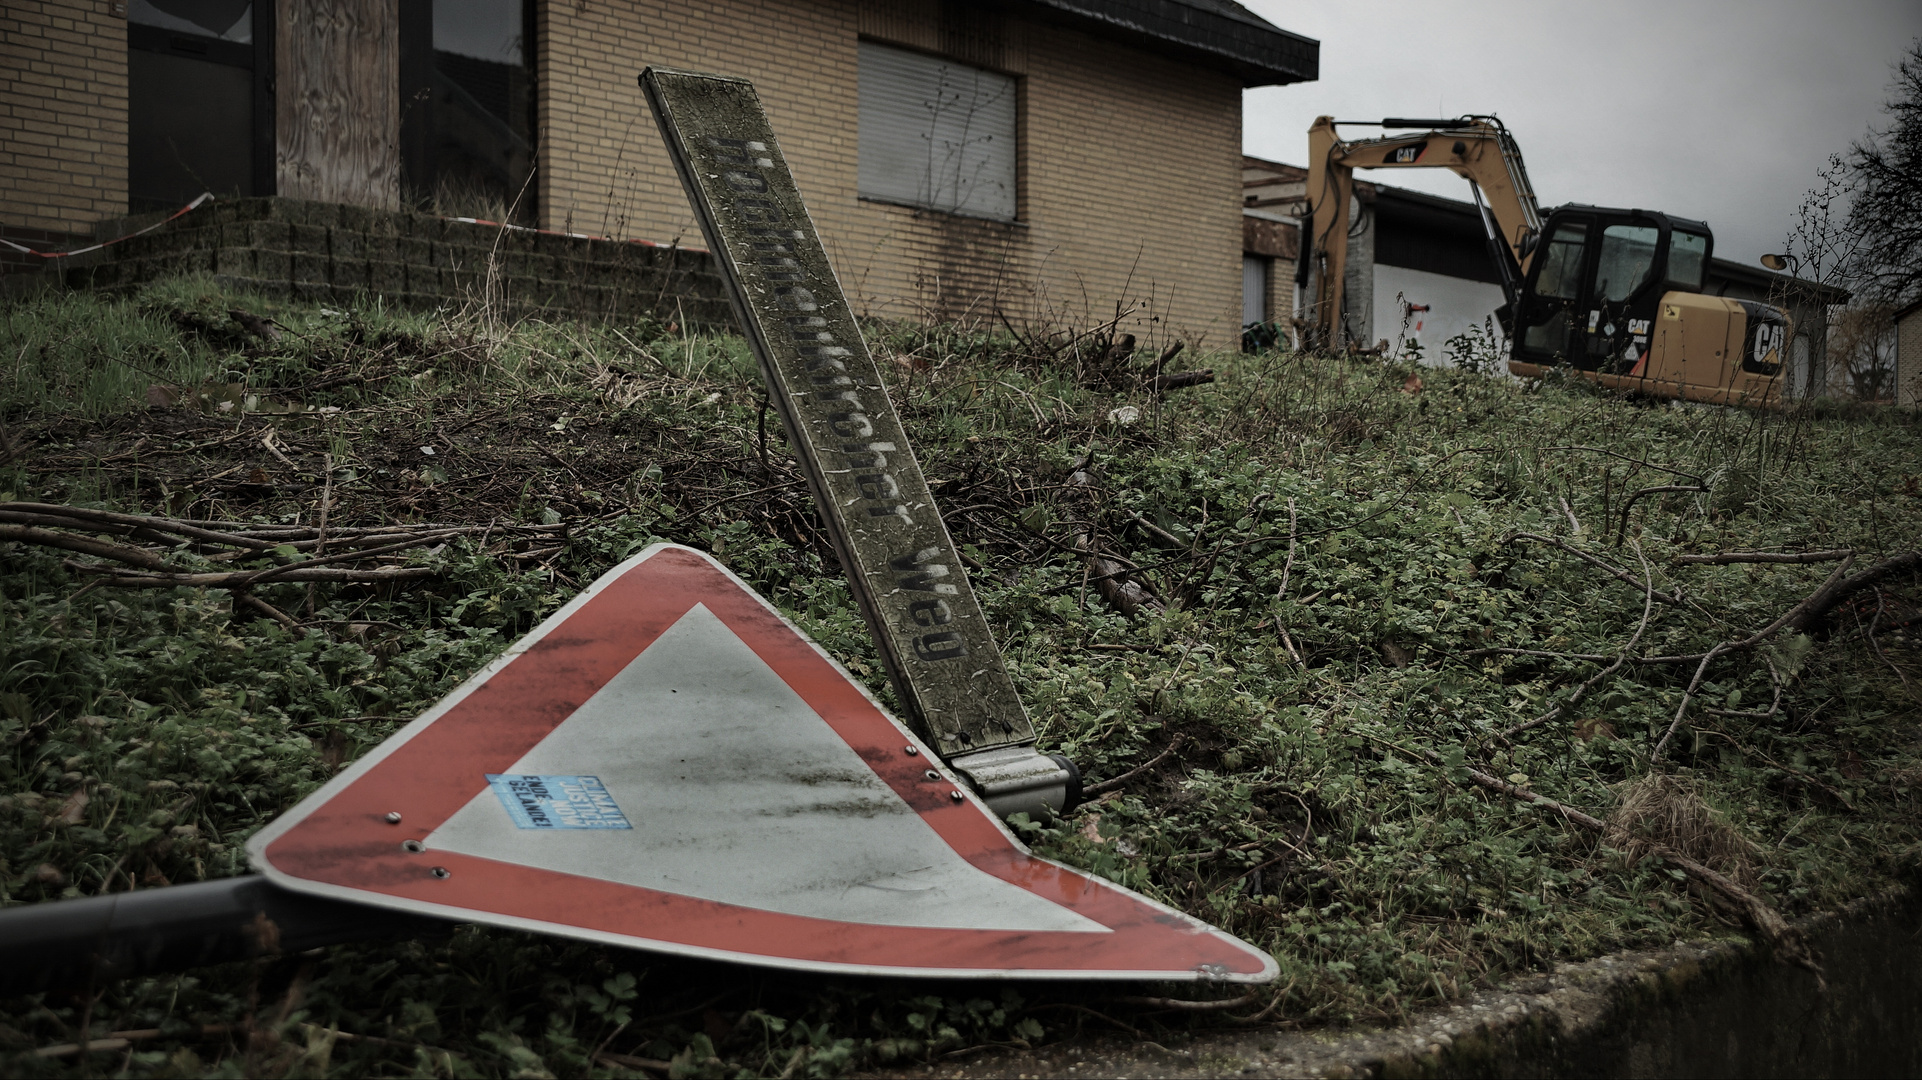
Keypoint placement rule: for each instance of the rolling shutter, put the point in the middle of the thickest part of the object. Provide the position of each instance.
(936, 133)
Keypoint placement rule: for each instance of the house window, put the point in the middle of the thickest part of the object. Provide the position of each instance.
(936, 134)
(1254, 289)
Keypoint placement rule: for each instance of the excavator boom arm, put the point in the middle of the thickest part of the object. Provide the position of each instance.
(1478, 148)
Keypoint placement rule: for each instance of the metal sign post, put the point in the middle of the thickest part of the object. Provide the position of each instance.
(900, 560)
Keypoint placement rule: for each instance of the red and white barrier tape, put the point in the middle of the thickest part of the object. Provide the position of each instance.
(204, 196)
(573, 235)
(208, 195)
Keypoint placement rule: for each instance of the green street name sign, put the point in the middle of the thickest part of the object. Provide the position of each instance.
(821, 378)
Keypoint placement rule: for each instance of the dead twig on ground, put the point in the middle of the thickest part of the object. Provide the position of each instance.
(628, 1061)
(320, 541)
(1869, 632)
(1681, 710)
(1180, 1005)
(1749, 751)
(1122, 592)
(119, 1040)
(1114, 783)
(1161, 384)
(1763, 557)
(1281, 593)
(234, 579)
(1621, 533)
(1632, 461)
(1603, 565)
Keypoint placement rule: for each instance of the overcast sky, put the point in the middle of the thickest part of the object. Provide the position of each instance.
(1719, 111)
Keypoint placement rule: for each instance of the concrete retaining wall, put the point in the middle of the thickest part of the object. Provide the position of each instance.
(328, 251)
(1715, 1009)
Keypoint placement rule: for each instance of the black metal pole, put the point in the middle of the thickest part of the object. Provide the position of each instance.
(73, 944)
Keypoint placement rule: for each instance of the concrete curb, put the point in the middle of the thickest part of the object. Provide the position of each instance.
(1700, 1009)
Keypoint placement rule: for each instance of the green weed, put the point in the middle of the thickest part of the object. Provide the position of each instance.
(1337, 545)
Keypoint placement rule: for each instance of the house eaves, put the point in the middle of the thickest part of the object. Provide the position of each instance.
(1794, 290)
(1217, 34)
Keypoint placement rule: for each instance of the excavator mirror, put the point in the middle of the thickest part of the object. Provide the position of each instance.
(1775, 262)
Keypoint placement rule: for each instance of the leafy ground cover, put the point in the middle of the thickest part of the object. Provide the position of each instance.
(1369, 579)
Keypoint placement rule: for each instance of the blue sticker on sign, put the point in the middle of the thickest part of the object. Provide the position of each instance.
(557, 802)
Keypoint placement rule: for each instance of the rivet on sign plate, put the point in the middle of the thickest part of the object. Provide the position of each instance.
(393, 817)
(413, 845)
(956, 796)
(932, 775)
(443, 873)
(913, 751)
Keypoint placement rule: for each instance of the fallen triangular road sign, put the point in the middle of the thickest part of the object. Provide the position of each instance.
(667, 763)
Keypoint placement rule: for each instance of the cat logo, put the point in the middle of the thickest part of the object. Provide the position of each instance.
(1405, 155)
(1638, 326)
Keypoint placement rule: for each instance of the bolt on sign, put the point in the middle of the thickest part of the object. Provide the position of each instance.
(899, 558)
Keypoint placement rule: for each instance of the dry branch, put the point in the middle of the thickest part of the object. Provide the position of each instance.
(243, 578)
(1110, 578)
(1812, 611)
(1764, 557)
(1606, 567)
(102, 549)
(1632, 461)
(1114, 782)
(1648, 607)
(1621, 533)
(1181, 1005)
(1179, 379)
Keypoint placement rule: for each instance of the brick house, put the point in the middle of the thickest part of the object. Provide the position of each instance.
(947, 149)
(1908, 356)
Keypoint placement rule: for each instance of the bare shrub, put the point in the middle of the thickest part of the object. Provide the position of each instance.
(1664, 811)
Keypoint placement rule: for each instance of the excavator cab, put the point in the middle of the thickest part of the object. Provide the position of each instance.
(1593, 291)
(1617, 295)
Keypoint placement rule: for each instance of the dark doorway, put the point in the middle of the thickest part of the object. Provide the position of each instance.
(199, 101)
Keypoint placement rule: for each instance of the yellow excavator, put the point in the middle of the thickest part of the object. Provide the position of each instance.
(1613, 295)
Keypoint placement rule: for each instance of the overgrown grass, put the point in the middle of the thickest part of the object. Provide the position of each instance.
(1338, 549)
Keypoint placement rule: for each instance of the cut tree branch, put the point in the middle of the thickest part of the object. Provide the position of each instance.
(1115, 782)
(1621, 533)
(1608, 568)
(1763, 557)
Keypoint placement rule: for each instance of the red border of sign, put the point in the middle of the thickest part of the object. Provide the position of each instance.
(338, 842)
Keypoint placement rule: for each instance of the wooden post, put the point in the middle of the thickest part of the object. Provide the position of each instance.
(337, 64)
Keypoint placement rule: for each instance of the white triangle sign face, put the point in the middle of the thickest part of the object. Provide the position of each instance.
(668, 764)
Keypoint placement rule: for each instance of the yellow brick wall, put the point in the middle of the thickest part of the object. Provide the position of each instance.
(63, 113)
(1129, 173)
